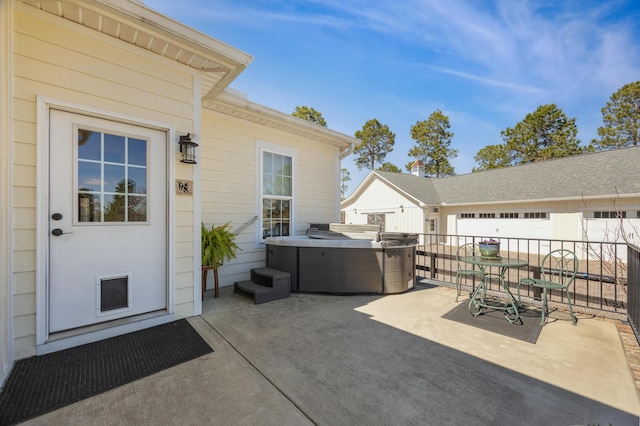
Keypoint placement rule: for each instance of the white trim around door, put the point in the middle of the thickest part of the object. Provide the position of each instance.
(47, 342)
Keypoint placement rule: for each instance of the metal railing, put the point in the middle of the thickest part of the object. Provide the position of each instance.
(241, 228)
(600, 287)
(633, 293)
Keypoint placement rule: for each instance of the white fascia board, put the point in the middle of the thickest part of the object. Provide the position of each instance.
(140, 14)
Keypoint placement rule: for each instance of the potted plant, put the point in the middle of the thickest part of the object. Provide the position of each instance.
(218, 246)
(489, 248)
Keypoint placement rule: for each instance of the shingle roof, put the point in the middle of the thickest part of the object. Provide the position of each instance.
(588, 175)
(420, 188)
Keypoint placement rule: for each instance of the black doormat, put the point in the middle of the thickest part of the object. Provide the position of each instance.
(527, 328)
(45, 383)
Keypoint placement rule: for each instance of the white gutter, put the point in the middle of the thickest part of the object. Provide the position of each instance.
(347, 151)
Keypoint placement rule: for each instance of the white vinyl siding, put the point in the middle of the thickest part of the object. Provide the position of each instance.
(402, 214)
(231, 183)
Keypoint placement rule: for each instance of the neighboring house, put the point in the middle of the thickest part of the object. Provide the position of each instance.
(572, 198)
(99, 218)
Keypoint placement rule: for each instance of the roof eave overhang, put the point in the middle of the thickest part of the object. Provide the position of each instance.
(235, 105)
(134, 23)
(368, 180)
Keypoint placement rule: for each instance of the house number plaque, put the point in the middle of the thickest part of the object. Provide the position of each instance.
(184, 187)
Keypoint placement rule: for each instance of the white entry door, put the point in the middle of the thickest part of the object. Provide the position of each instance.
(107, 220)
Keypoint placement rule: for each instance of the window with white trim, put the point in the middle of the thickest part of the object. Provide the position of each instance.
(609, 214)
(510, 215)
(276, 194)
(535, 215)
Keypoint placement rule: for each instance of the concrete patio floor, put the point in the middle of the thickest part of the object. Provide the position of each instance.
(345, 360)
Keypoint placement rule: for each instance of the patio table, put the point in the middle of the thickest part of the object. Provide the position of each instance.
(479, 300)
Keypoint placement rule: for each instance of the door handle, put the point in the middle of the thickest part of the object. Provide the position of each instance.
(57, 232)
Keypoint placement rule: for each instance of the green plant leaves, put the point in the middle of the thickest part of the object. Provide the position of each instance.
(218, 245)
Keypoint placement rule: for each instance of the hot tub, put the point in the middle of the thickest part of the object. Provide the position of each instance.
(344, 265)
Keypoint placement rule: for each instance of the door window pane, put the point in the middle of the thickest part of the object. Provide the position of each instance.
(89, 176)
(114, 149)
(137, 207)
(114, 208)
(138, 180)
(137, 152)
(89, 145)
(114, 179)
(89, 208)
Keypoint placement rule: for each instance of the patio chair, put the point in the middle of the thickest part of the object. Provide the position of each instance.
(558, 271)
(469, 249)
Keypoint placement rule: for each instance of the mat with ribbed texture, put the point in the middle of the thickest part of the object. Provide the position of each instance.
(527, 328)
(41, 384)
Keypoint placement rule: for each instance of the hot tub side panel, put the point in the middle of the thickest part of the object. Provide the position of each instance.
(340, 270)
(343, 270)
(399, 269)
(284, 258)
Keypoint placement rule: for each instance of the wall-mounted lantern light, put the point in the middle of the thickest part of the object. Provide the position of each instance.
(188, 149)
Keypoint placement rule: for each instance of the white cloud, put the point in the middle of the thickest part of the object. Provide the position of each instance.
(92, 182)
(520, 45)
(488, 81)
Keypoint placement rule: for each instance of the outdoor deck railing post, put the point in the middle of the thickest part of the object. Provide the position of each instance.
(432, 266)
(537, 291)
(633, 292)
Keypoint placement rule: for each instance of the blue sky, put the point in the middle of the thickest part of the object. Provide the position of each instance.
(484, 64)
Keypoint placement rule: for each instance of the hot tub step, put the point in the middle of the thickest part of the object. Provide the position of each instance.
(266, 284)
(268, 276)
